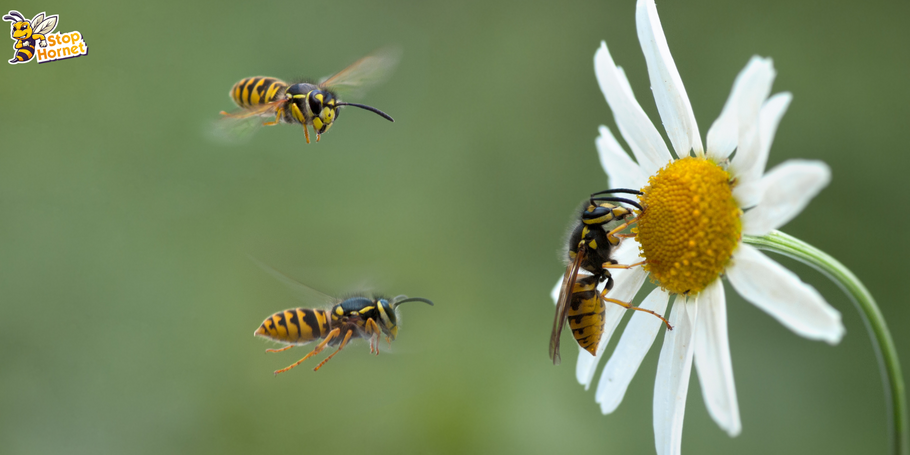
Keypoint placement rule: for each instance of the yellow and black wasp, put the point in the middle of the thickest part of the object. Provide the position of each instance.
(354, 317)
(590, 248)
(27, 33)
(308, 103)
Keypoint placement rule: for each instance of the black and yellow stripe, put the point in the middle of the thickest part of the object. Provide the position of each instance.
(296, 326)
(27, 51)
(586, 313)
(258, 90)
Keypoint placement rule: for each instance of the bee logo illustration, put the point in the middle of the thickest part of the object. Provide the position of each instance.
(27, 33)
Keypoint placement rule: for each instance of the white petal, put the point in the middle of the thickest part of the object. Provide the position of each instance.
(669, 92)
(672, 383)
(648, 147)
(627, 282)
(554, 294)
(748, 193)
(587, 363)
(768, 119)
(724, 133)
(780, 293)
(634, 344)
(786, 190)
(621, 171)
(712, 358)
(749, 157)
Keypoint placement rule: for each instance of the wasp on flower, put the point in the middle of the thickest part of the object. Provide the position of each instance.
(696, 207)
(590, 250)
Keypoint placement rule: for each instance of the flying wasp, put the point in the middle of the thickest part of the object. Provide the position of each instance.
(27, 33)
(307, 103)
(346, 319)
(590, 248)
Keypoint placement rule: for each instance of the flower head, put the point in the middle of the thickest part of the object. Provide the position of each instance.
(696, 208)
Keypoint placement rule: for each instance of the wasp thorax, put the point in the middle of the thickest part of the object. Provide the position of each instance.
(604, 213)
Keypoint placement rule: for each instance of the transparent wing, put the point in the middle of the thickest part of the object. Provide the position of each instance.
(562, 304)
(369, 71)
(240, 125)
(309, 295)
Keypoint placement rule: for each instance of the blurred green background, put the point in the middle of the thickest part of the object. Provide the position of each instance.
(127, 300)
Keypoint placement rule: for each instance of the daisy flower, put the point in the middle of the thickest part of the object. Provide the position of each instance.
(697, 207)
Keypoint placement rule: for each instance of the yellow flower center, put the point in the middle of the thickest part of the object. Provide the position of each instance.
(690, 224)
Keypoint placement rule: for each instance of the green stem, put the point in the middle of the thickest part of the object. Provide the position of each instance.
(881, 339)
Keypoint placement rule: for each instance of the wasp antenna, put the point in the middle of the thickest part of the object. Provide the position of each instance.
(412, 299)
(618, 190)
(369, 108)
(618, 199)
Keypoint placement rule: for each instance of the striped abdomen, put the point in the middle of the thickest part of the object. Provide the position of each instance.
(254, 91)
(586, 313)
(296, 326)
(25, 53)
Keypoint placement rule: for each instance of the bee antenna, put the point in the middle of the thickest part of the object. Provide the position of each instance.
(617, 199)
(412, 299)
(369, 108)
(618, 190)
(14, 16)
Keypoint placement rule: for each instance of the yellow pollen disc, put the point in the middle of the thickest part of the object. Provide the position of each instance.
(690, 225)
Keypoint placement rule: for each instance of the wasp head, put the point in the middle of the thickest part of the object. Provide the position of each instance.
(388, 308)
(388, 320)
(322, 105)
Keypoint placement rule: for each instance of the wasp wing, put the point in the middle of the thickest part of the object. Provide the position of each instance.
(240, 125)
(45, 27)
(306, 293)
(562, 303)
(371, 70)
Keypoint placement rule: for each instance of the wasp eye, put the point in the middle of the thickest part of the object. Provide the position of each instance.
(315, 105)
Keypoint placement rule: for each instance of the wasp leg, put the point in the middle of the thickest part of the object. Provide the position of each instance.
(306, 132)
(620, 266)
(277, 117)
(319, 347)
(347, 337)
(317, 137)
(629, 306)
(389, 339)
(612, 234)
(282, 349)
(373, 330)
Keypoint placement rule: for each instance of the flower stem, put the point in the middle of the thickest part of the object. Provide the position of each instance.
(895, 397)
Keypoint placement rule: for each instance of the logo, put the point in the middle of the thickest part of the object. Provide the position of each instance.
(34, 39)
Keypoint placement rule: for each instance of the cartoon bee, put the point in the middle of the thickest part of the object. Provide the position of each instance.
(590, 248)
(346, 319)
(26, 33)
(307, 103)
